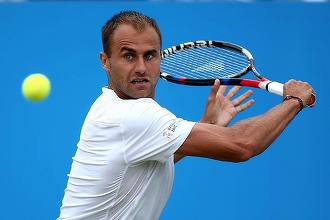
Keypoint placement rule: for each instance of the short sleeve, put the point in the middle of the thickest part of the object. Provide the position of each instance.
(151, 132)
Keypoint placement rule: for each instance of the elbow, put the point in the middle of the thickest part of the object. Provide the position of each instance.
(245, 152)
(243, 155)
(250, 148)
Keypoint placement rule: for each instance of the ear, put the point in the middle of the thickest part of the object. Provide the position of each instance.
(105, 61)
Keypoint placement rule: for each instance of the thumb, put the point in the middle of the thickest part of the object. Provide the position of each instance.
(215, 88)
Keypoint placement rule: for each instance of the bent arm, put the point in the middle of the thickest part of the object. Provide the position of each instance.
(243, 140)
(221, 108)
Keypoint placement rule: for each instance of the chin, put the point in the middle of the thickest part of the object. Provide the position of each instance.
(138, 96)
(142, 96)
(142, 93)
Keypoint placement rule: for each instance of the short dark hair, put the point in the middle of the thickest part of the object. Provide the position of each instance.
(134, 18)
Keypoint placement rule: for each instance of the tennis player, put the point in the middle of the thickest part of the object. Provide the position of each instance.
(123, 167)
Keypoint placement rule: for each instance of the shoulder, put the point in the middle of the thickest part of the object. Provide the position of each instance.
(145, 110)
(143, 104)
(109, 108)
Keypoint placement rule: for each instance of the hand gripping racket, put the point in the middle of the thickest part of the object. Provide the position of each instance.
(200, 63)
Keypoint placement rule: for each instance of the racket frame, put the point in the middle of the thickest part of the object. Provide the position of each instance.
(262, 82)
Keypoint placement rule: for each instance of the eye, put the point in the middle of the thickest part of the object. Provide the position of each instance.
(128, 56)
(149, 56)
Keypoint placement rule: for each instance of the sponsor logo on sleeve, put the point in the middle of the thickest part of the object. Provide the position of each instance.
(169, 131)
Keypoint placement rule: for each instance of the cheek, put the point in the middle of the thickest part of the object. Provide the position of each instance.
(156, 77)
(155, 70)
(120, 73)
(157, 74)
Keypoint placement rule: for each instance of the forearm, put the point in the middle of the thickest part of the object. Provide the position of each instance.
(241, 141)
(261, 131)
(246, 138)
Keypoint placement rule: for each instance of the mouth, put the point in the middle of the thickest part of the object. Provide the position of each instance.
(139, 81)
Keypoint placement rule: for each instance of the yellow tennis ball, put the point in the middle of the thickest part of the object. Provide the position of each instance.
(36, 87)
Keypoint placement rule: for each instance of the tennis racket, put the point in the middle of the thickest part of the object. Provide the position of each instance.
(200, 63)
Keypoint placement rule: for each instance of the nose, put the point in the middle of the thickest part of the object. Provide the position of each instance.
(140, 66)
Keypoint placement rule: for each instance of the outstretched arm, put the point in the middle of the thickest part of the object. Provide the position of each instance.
(249, 137)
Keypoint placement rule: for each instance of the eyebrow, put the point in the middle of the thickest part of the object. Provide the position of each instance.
(124, 49)
(127, 49)
(152, 51)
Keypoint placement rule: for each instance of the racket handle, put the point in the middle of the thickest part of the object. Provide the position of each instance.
(277, 88)
(272, 87)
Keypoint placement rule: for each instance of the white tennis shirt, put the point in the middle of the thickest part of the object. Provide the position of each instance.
(124, 164)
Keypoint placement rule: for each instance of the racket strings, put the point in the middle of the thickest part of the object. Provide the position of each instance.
(223, 62)
(203, 63)
(218, 60)
(215, 63)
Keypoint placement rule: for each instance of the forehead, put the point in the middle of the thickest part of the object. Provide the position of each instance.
(127, 36)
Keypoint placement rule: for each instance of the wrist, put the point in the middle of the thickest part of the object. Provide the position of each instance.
(294, 99)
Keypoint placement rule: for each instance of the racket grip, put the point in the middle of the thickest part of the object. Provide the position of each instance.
(272, 87)
(277, 88)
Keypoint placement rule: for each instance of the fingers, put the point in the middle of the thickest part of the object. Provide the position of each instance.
(242, 97)
(214, 89)
(237, 102)
(312, 100)
(218, 90)
(233, 91)
(300, 89)
(245, 105)
(222, 89)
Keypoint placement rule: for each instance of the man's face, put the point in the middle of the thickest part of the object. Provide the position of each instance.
(134, 63)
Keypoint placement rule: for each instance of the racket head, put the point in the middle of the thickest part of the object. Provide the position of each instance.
(201, 62)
